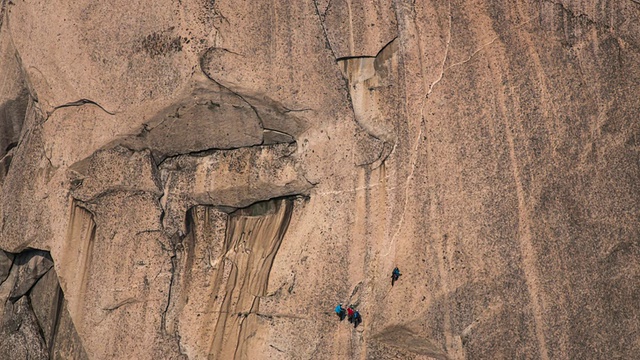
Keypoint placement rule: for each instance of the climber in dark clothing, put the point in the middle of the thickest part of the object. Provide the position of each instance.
(395, 275)
(350, 313)
(357, 319)
(340, 312)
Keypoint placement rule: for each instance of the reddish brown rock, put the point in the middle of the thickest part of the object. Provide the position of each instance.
(489, 149)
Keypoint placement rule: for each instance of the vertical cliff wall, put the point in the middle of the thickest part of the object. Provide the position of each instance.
(221, 274)
(208, 179)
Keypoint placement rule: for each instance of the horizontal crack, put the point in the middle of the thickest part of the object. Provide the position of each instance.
(111, 191)
(80, 103)
(369, 56)
(210, 151)
(343, 58)
(287, 110)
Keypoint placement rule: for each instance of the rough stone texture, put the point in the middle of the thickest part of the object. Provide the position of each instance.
(31, 266)
(233, 179)
(14, 98)
(358, 27)
(44, 301)
(67, 342)
(6, 260)
(35, 319)
(51, 310)
(490, 149)
(210, 120)
(20, 333)
(220, 280)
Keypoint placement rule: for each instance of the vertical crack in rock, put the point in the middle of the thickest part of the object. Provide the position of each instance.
(324, 28)
(321, 19)
(253, 237)
(170, 330)
(444, 59)
(59, 301)
(3, 9)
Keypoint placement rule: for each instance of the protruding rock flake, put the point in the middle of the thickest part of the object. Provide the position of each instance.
(200, 180)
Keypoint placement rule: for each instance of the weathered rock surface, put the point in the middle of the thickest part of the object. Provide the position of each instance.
(220, 280)
(35, 320)
(208, 179)
(31, 266)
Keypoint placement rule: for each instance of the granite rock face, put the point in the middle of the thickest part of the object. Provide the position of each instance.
(205, 179)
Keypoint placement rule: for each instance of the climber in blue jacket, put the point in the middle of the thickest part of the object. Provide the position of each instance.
(340, 311)
(357, 319)
(395, 275)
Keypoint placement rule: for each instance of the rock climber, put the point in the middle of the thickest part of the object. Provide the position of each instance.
(350, 312)
(340, 311)
(395, 275)
(357, 319)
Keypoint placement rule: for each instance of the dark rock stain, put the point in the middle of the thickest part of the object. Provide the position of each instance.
(160, 44)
